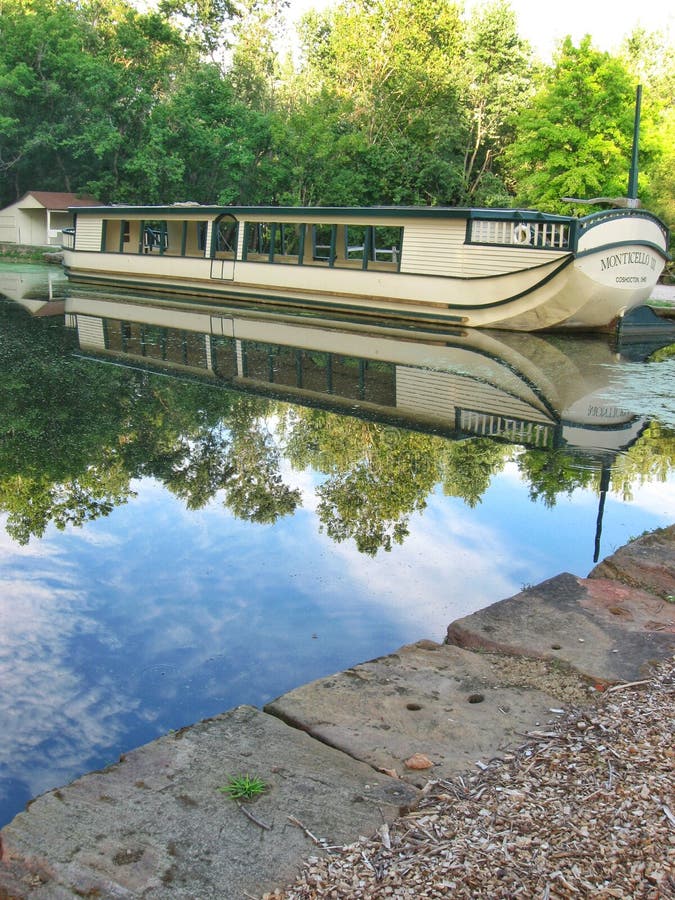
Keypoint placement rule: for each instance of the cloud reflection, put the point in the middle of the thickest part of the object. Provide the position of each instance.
(50, 719)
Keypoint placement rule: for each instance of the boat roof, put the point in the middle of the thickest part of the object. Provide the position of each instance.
(320, 212)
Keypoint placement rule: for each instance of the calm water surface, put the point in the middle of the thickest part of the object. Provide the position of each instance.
(202, 507)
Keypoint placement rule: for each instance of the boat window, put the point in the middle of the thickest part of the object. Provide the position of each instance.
(323, 243)
(155, 237)
(193, 237)
(278, 242)
(290, 239)
(224, 357)
(258, 239)
(386, 245)
(115, 236)
(356, 243)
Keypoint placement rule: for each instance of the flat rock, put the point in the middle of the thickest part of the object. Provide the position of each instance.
(447, 704)
(155, 824)
(647, 563)
(605, 630)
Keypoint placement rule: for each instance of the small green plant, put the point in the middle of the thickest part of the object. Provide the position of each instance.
(243, 787)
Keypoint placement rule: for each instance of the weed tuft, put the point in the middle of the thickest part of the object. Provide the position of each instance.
(243, 787)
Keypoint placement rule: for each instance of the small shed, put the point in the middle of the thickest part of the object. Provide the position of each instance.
(39, 217)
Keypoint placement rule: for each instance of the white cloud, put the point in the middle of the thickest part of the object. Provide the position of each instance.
(412, 582)
(656, 498)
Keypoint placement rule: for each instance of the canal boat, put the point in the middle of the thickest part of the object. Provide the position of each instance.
(514, 269)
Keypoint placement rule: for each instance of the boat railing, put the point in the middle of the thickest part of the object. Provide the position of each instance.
(68, 238)
(543, 235)
(605, 215)
(379, 253)
(518, 431)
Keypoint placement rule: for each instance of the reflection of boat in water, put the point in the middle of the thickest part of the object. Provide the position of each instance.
(514, 387)
(39, 289)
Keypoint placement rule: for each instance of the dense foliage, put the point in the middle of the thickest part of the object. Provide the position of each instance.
(386, 101)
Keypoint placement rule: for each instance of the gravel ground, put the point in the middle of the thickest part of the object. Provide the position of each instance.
(586, 809)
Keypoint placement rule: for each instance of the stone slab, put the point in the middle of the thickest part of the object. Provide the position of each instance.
(647, 563)
(605, 630)
(155, 825)
(450, 705)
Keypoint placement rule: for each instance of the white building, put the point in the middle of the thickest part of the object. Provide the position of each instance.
(39, 217)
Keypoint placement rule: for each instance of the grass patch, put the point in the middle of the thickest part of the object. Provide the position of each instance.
(24, 253)
(243, 787)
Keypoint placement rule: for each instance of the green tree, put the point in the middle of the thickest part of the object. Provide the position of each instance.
(254, 72)
(372, 501)
(59, 456)
(207, 23)
(69, 455)
(389, 70)
(574, 140)
(651, 458)
(202, 144)
(497, 83)
(77, 84)
(651, 58)
(377, 476)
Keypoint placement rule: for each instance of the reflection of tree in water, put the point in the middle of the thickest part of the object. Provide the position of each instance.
(255, 489)
(73, 434)
(469, 466)
(379, 476)
(651, 459)
(59, 459)
(551, 473)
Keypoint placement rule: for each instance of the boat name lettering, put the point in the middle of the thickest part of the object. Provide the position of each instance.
(608, 412)
(628, 258)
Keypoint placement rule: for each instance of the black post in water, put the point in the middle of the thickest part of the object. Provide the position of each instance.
(633, 177)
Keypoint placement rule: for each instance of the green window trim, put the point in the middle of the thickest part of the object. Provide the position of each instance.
(273, 237)
(333, 245)
(367, 245)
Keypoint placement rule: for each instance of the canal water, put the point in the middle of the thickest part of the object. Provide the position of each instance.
(207, 506)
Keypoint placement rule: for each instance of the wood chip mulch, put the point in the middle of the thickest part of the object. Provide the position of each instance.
(584, 808)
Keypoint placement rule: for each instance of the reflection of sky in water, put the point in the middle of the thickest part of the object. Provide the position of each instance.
(155, 617)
